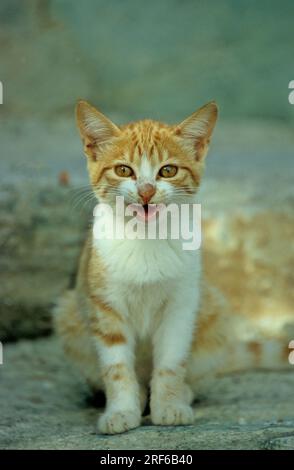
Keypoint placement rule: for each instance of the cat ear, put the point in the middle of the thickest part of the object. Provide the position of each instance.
(196, 130)
(95, 128)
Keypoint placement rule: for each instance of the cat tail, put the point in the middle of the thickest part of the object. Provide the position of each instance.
(222, 355)
(262, 353)
(226, 342)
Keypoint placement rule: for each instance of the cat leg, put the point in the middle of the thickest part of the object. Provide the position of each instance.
(170, 395)
(115, 347)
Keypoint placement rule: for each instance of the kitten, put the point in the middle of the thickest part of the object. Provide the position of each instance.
(141, 315)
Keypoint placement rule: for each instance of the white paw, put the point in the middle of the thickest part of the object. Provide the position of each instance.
(115, 422)
(172, 414)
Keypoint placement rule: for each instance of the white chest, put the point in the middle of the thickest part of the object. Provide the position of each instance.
(145, 276)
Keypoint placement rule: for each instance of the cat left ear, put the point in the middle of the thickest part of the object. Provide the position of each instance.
(95, 128)
(197, 129)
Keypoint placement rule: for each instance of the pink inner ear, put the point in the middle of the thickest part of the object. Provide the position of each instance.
(200, 147)
(90, 146)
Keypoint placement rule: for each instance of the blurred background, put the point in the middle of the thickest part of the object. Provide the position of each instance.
(160, 59)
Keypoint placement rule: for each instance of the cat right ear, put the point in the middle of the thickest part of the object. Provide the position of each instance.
(95, 128)
(196, 130)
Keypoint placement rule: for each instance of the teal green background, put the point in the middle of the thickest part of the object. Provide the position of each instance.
(160, 59)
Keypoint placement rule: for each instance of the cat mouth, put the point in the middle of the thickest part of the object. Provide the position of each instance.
(145, 212)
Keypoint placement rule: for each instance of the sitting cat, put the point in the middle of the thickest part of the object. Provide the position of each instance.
(141, 314)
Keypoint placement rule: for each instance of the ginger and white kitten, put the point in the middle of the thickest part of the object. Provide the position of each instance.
(141, 315)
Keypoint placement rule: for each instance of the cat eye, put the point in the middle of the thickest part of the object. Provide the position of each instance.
(123, 171)
(168, 171)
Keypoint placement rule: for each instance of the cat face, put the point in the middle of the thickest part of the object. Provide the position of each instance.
(146, 162)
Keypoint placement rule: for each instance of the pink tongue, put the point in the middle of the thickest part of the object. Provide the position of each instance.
(152, 209)
(143, 215)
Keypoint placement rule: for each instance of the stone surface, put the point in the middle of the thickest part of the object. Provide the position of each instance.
(40, 238)
(43, 405)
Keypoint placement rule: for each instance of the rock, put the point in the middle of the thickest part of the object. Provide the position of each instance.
(43, 405)
(40, 240)
(281, 443)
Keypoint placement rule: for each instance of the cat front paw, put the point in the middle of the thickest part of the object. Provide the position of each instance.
(119, 421)
(172, 414)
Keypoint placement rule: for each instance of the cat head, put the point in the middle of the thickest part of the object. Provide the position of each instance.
(146, 162)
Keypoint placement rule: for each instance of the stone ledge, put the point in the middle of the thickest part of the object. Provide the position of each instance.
(43, 406)
(40, 241)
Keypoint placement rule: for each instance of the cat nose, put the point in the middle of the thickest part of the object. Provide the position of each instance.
(146, 191)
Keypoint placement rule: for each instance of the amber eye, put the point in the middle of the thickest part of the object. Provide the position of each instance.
(123, 171)
(168, 171)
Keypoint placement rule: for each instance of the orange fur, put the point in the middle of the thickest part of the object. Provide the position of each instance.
(92, 324)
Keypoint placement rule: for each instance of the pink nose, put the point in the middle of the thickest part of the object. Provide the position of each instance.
(146, 191)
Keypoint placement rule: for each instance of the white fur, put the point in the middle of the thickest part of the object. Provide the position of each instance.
(154, 284)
